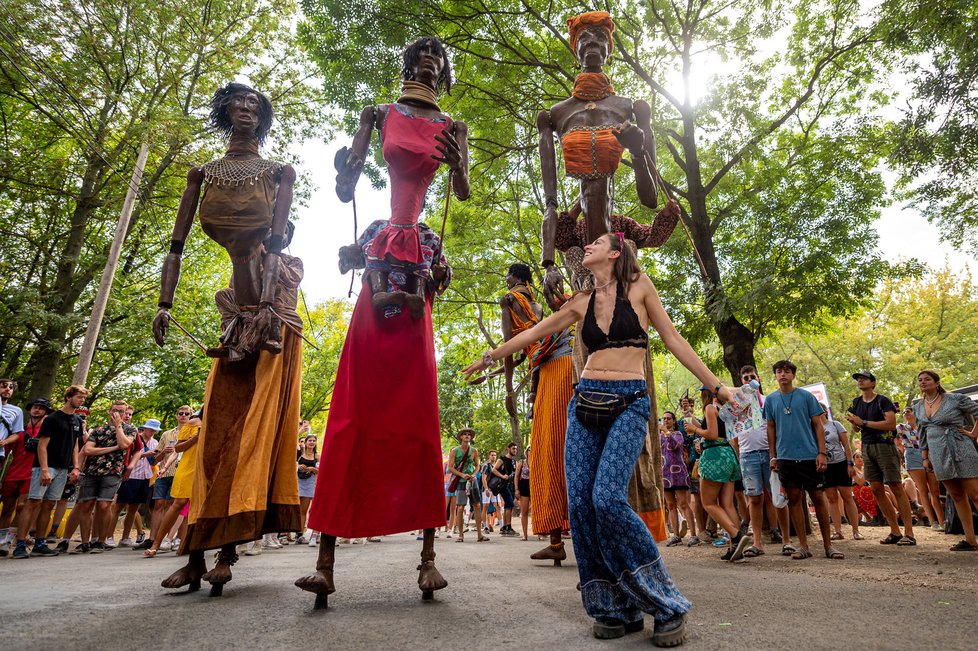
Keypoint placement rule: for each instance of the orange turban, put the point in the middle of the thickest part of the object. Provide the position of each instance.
(600, 19)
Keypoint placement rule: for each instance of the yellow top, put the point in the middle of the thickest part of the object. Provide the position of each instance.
(183, 480)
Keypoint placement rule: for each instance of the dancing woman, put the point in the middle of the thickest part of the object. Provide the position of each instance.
(622, 574)
(385, 401)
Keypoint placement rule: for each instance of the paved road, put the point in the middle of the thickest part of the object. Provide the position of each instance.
(496, 597)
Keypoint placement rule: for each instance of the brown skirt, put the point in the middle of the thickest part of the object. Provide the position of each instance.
(245, 483)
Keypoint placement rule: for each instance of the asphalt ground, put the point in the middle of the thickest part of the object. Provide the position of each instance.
(880, 597)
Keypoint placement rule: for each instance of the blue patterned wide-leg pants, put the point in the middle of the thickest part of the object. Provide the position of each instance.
(621, 570)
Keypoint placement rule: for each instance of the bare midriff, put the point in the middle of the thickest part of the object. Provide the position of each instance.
(615, 364)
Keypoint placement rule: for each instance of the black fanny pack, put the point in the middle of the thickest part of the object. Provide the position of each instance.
(598, 410)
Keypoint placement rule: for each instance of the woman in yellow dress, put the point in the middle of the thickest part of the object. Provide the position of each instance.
(183, 483)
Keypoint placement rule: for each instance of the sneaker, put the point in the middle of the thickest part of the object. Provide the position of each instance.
(20, 551)
(342, 541)
(110, 542)
(356, 541)
(693, 541)
(144, 544)
(140, 538)
(937, 527)
(81, 548)
(126, 542)
(313, 540)
(775, 535)
(96, 547)
(166, 545)
(485, 529)
(673, 541)
(720, 542)
(255, 549)
(301, 540)
(62, 547)
(448, 535)
(175, 545)
(43, 550)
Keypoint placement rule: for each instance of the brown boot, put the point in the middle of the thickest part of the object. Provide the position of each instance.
(553, 552)
(380, 298)
(321, 582)
(221, 573)
(429, 578)
(189, 575)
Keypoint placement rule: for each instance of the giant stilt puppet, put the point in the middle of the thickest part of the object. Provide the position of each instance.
(595, 126)
(245, 484)
(381, 468)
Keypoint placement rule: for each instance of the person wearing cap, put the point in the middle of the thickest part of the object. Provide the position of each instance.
(55, 463)
(874, 416)
(134, 490)
(17, 478)
(463, 459)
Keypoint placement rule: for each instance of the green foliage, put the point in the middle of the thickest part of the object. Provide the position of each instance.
(936, 141)
(82, 83)
(914, 323)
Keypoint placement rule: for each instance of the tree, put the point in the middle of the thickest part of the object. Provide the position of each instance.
(936, 141)
(82, 83)
(916, 322)
(775, 167)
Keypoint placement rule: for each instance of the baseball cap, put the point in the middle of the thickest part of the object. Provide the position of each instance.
(866, 374)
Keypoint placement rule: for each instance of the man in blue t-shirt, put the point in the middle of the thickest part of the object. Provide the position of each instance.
(797, 442)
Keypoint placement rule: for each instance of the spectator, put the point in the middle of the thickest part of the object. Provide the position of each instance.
(11, 416)
(753, 449)
(134, 491)
(166, 461)
(504, 469)
(838, 476)
(307, 467)
(801, 460)
(718, 472)
(693, 454)
(17, 479)
(105, 461)
(928, 491)
(462, 462)
(182, 487)
(523, 491)
(675, 479)
(56, 461)
(487, 496)
(875, 417)
(949, 447)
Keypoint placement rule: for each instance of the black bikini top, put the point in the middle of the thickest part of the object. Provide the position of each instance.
(625, 330)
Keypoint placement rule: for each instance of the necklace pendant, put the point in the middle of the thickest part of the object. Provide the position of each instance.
(787, 411)
(590, 106)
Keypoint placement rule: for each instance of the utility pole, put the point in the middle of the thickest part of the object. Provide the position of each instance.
(108, 274)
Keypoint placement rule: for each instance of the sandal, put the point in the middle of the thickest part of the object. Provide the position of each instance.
(753, 552)
(891, 539)
(837, 536)
(150, 553)
(834, 554)
(484, 539)
(460, 539)
(964, 546)
(788, 550)
(858, 536)
(801, 555)
(907, 541)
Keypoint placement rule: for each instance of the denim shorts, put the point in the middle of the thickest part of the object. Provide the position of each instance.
(101, 488)
(913, 458)
(161, 488)
(756, 468)
(53, 491)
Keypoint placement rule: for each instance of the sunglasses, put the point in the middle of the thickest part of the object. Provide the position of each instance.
(8, 385)
(184, 413)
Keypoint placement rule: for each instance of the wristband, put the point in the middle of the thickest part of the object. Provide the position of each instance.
(822, 453)
(716, 389)
(487, 358)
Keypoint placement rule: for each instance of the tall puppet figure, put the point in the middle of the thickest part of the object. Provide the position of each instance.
(552, 368)
(381, 468)
(245, 483)
(595, 126)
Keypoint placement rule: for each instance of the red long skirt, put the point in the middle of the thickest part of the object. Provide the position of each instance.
(381, 466)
